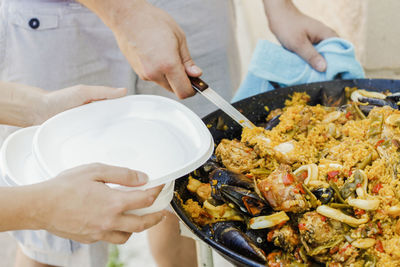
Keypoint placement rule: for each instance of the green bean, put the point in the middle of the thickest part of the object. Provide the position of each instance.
(339, 205)
(337, 192)
(375, 125)
(313, 199)
(260, 171)
(365, 162)
(359, 112)
(298, 264)
(370, 260)
(320, 249)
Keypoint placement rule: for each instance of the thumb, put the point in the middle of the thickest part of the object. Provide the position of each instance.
(115, 175)
(310, 54)
(190, 67)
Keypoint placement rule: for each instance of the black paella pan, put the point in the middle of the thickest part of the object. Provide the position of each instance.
(253, 108)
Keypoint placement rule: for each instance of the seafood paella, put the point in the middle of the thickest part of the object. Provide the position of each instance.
(317, 184)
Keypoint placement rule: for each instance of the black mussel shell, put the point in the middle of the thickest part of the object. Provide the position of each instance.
(204, 171)
(233, 238)
(272, 122)
(244, 200)
(222, 176)
(324, 194)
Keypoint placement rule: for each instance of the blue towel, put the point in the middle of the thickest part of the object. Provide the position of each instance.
(273, 63)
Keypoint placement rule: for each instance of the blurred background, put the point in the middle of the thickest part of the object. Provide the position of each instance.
(372, 26)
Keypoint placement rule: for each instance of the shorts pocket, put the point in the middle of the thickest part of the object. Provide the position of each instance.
(52, 45)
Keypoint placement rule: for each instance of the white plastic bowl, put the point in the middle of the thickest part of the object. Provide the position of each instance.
(153, 134)
(19, 167)
(17, 163)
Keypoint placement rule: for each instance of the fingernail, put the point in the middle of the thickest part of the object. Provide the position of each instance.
(195, 70)
(142, 177)
(320, 65)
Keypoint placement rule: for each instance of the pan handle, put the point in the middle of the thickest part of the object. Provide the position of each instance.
(198, 84)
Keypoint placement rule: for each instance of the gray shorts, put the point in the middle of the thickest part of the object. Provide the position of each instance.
(72, 46)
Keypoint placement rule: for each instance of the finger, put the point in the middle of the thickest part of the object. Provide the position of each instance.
(176, 73)
(112, 174)
(117, 237)
(162, 81)
(190, 67)
(179, 82)
(323, 32)
(94, 93)
(83, 94)
(307, 51)
(138, 199)
(133, 223)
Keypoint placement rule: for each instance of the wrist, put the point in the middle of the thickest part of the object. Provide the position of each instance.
(37, 209)
(19, 209)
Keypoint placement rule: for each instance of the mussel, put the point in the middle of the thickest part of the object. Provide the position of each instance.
(204, 171)
(246, 201)
(232, 237)
(324, 194)
(260, 237)
(272, 122)
(223, 176)
(333, 98)
(373, 98)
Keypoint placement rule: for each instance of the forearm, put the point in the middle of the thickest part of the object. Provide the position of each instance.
(18, 206)
(112, 12)
(276, 6)
(19, 104)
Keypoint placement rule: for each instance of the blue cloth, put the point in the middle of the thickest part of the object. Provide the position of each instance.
(273, 63)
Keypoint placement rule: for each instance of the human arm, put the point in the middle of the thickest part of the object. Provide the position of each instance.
(23, 105)
(296, 31)
(78, 205)
(152, 42)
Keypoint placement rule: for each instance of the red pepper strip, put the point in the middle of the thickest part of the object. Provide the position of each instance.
(288, 179)
(334, 250)
(332, 174)
(281, 224)
(380, 142)
(270, 235)
(345, 248)
(379, 246)
(300, 188)
(323, 218)
(359, 212)
(249, 175)
(302, 226)
(376, 188)
(348, 114)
